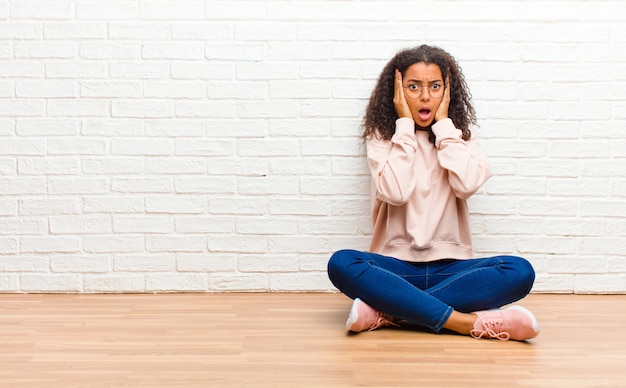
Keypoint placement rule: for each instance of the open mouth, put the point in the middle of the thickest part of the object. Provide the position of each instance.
(424, 113)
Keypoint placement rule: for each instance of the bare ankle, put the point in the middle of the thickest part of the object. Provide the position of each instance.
(461, 323)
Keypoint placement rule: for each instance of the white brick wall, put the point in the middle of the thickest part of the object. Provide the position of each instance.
(168, 145)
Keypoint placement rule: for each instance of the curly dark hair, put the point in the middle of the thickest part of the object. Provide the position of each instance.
(380, 115)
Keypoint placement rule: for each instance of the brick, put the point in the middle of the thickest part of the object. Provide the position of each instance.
(249, 282)
(300, 281)
(599, 284)
(50, 244)
(199, 70)
(299, 206)
(241, 90)
(51, 283)
(47, 166)
(268, 263)
(299, 166)
(109, 10)
(211, 109)
(111, 166)
(21, 30)
(80, 263)
(201, 31)
(331, 147)
(144, 263)
(267, 185)
(268, 147)
(237, 243)
(7, 89)
(238, 205)
(184, 9)
(298, 244)
(111, 127)
(77, 108)
(142, 146)
(174, 128)
(76, 146)
(204, 224)
(177, 282)
(265, 225)
(113, 204)
(116, 89)
(161, 50)
(251, 128)
(9, 282)
(140, 70)
(22, 186)
(186, 90)
(194, 262)
(143, 224)
(568, 265)
(120, 30)
(113, 244)
(142, 109)
(22, 146)
(549, 283)
(75, 30)
(52, 89)
(106, 50)
(212, 185)
(47, 127)
(48, 206)
(21, 108)
(142, 185)
(115, 283)
(239, 166)
(176, 204)
(76, 225)
(8, 245)
(74, 185)
(24, 263)
(76, 69)
(239, 10)
(179, 165)
(42, 9)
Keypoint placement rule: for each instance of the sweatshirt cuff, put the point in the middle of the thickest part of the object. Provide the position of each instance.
(445, 129)
(404, 126)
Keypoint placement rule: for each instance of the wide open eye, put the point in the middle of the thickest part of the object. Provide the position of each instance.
(435, 87)
(414, 87)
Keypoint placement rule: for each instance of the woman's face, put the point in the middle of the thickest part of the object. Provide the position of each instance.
(426, 78)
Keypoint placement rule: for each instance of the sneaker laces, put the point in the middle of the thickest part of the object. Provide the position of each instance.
(383, 320)
(492, 328)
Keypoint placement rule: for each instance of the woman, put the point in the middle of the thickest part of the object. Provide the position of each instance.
(424, 165)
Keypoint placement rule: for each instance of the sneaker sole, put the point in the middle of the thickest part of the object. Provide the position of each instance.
(535, 324)
(354, 315)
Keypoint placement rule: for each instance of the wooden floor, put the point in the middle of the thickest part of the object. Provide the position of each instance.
(292, 340)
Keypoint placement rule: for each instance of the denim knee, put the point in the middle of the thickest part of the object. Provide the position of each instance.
(339, 260)
(524, 271)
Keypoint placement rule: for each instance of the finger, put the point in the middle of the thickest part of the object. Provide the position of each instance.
(398, 92)
(398, 80)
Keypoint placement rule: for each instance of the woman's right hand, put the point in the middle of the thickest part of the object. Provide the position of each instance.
(399, 100)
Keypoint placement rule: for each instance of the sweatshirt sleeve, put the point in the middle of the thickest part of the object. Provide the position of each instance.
(466, 163)
(391, 163)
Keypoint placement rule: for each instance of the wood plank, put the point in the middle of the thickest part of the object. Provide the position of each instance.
(292, 340)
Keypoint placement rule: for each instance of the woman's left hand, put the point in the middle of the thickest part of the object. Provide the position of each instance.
(442, 110)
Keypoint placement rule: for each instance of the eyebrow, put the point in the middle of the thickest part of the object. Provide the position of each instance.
(417, 81)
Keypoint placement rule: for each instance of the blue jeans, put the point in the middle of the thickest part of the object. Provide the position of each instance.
(426, 293)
